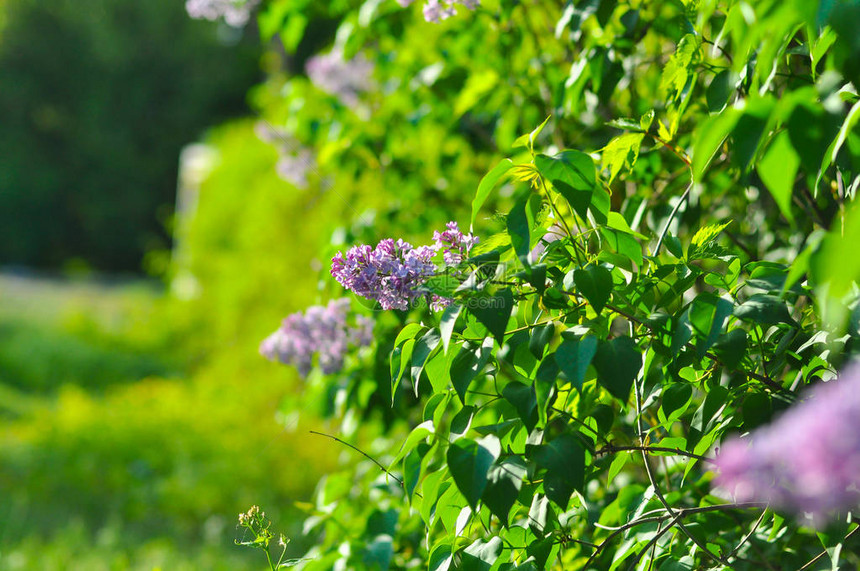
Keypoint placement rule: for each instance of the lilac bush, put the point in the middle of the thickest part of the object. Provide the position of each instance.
(806, 461)
(394, 272)
(321, 330)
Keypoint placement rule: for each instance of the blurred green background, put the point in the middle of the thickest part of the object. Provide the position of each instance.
(137, 421)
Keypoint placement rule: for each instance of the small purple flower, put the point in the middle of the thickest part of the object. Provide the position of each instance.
(321, 330)
(808, 460)
(294, 167)
(455, 244)
(345, 79)
(235, 12)
(394, 273)
(437, 10)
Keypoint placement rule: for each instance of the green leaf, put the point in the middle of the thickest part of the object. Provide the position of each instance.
(621, 151)
(836, 266)
(628, 124)
(401, 358)
(682, 334)
(731, 348)
(493, 311)
(708, 315)
(468, 363)
(469, 462)
(564, 461)
(617, 464)
(677, 71)
(481, 555)
(524, 400)
(706, 235)
(545, 389)
(618, 362)
(424, 347)
(747, 132)
(674, 402)
(709, 137)
(518, 228)
(539, 338)
(447, 323)
(778, 169)
(477, 86)
(616, 220)
(646, 120)
(764, 309)
(461, 422)
(595, 283)
(573, 175)
(418, 434)
(434, 485)
(574, 356)
(623, 244)
(719, 91)
(811, 130)
(441, 557)
(487, 184)
(410, 331)
(504, 481)
(528, 140)
(833, 151)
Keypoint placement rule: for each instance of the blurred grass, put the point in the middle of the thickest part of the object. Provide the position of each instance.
(95, 443)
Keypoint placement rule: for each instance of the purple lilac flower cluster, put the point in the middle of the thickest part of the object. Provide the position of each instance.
(808, 461)
(437, 10)
(295, 162)
(320, 330)
(235, 12)
(395, 272)
(345, 79)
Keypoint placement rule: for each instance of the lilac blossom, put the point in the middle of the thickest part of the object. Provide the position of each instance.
(454, 243)
(807, 461)
(235, 12)
(321, 330)
(394, 272)
(437, 10)
(345, 79)
(295, 162)
(294, 167)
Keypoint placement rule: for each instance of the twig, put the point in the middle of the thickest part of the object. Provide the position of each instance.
(363, 453)
(612, 449)
(656, 488)
(672, 214)
(622, 529)
(823, 553)
(653, 542)
(747, 536)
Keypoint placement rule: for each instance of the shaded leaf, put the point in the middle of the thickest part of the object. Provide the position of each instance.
(618, 362)
(504, 481)
(595, 283)
(564, 461)
(574, 356)
(469, 462)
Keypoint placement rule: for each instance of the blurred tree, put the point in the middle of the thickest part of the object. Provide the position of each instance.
(96, 99)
